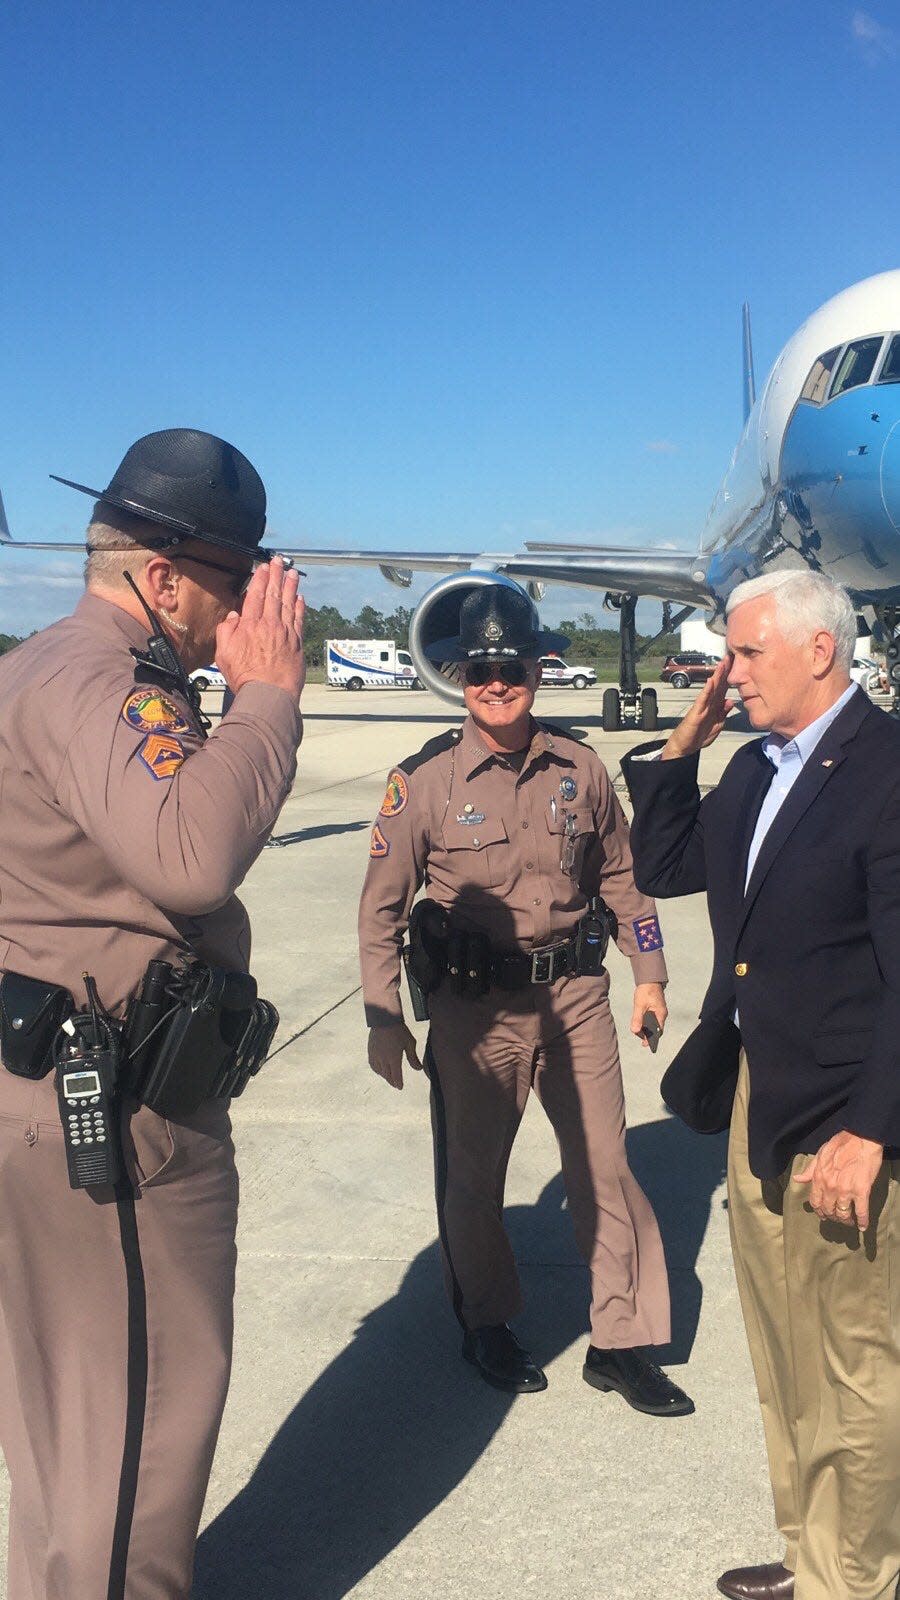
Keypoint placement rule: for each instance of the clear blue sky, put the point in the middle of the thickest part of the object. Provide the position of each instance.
(451, 274)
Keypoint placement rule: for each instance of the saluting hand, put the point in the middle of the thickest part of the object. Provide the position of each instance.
(387, 1047)
(263, 642)
(706, 717)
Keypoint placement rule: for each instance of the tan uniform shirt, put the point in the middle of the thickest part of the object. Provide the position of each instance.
(496, 844)
(124, 835)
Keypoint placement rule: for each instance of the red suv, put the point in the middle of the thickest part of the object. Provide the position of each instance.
(689, 667)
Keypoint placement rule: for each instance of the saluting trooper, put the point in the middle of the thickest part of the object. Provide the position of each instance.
(514, 827)
(124, 837)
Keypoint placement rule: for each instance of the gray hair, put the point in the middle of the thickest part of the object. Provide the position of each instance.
(804, 602)
(115, 535)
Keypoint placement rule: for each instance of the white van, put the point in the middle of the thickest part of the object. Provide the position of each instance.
(368, 664)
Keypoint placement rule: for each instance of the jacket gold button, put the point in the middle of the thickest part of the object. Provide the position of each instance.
(741, 969)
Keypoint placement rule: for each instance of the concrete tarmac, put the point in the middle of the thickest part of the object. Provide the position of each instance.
(359, 1454)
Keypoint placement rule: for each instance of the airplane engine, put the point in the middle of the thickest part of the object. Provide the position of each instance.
(437, 617)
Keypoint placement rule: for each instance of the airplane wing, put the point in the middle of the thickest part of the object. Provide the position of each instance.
(663, 574)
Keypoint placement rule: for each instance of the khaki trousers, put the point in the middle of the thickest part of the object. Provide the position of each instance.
(822, 1311)
(115, 1348)
(484, 1058)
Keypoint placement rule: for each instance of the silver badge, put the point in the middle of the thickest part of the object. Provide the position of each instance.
(568, 788)
(493, 629)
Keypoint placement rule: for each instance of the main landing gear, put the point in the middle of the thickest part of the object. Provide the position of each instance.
(629, 705)
(889, 625)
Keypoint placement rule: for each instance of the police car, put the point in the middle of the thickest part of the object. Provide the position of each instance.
(208, 678)
(556, 671)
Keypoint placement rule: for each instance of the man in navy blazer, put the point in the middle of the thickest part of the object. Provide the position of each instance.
(798, 850)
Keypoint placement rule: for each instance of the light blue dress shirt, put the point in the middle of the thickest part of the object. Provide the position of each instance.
(789, 760)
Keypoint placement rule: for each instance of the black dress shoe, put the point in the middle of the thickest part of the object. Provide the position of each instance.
(641, 1382)
(773, 1582)
(500, 1359)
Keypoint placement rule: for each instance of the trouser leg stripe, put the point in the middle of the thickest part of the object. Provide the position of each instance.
(439, 1121)
(136, 1390)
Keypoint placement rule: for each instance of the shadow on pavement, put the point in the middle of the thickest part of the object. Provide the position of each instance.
(322, 830)
(397, 1420)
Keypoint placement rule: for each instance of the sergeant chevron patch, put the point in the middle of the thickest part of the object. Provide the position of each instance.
(161, 755)
(648, 933)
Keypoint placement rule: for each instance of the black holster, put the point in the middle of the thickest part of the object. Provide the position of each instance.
(31, 1014)
(425, 956)
(195, 1033)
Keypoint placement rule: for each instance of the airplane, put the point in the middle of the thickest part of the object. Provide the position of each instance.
(814, 480)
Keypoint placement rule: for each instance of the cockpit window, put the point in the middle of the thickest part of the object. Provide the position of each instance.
(816, 384)
(856, 364)
(890, 372)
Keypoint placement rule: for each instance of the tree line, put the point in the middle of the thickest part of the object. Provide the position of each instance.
(590, 642)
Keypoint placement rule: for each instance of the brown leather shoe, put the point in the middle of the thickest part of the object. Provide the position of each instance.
(773, 1582)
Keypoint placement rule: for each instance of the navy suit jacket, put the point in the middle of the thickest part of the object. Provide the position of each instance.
(810, 952)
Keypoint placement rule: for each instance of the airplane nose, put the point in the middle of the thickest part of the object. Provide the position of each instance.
(890, 475)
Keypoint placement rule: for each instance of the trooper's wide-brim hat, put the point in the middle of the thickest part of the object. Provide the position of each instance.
(497, 622)
(193, 483)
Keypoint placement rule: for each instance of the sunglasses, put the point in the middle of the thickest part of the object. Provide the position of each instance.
(478, 673)
(240, 580)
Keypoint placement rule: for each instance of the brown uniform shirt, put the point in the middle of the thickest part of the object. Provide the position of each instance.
(124, 834)
(492, 843)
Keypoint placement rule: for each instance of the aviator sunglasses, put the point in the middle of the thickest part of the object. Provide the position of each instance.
(240, 580)
(478, 673)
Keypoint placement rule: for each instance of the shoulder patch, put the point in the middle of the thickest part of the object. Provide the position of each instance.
(161, 755)
(648, 933)
(396, 795)
(433, 747)
(380, 846)
(151, 711)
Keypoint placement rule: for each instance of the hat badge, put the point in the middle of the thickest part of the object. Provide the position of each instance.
(493, 629)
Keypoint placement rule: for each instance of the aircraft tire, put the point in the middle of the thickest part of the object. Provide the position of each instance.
(649, 710)
(612, 711)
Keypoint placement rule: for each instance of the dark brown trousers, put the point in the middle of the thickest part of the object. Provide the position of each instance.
(115, 1350)
(485, 1056)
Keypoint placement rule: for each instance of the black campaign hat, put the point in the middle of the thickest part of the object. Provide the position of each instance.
(193, 483)
(497, 622)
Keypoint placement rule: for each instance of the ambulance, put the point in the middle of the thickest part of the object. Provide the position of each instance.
(368, 664)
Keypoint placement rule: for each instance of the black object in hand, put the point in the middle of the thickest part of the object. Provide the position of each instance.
(651, 1030)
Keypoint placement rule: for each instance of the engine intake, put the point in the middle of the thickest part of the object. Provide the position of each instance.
(437, 617)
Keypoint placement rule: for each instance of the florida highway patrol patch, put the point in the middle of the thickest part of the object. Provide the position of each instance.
(648, 933)
(380, 846)
(149, 711)
(396, 796)
(161, 755)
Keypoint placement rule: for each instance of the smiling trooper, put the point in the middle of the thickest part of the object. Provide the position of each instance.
(513, 827)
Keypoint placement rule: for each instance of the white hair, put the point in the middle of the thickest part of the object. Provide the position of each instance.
(117, 539)
(804, 602)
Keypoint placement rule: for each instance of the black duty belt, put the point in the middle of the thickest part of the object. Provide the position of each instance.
(516, 969)
(465, 958)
